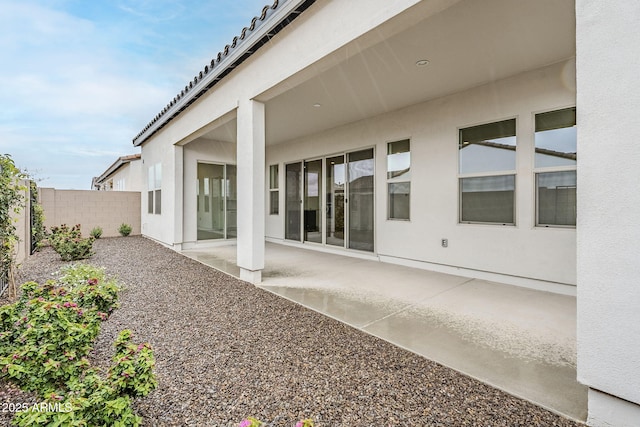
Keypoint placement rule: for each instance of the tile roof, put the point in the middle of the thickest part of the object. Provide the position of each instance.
(121, 161)
(224, 62)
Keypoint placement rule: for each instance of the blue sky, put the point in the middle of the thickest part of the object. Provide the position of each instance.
(80, 78)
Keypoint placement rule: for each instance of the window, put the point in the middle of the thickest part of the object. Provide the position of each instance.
(154, 187)
(487, 163)
(398, 179)
(274, 194)
(555, 163)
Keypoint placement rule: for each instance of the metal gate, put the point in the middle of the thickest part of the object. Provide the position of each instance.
(4, 277)
(33, 200)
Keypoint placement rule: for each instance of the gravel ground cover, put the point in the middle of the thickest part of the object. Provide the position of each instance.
(226, 350)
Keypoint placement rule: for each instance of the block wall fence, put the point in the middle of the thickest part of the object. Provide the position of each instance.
(90, 208)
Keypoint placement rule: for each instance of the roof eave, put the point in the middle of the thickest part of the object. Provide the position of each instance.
(273, 19)
(116, 165)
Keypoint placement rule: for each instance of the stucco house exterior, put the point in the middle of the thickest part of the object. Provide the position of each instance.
(439, 134)
(125, 174)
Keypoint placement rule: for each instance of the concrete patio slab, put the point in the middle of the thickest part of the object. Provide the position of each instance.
(520, 340)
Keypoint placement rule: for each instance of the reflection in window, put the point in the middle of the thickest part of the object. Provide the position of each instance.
(488, 148)
(216, 209)
(154, 189)
(399, 200)
(398, 179)
(312, 201)
(360, 173)
(274, 192)
(556, 198)
(556, 138)
(335, 214)
(555, 161)
(489, 152)
(399, 160)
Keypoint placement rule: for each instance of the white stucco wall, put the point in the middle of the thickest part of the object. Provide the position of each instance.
(132, 174)
(162, 227)
(608, 37)
(522, 250)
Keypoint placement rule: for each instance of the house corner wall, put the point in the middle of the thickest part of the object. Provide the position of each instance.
(160, 150)
(608, 249)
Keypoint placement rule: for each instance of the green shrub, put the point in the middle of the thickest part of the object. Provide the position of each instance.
(69, 243)
(132, 371)
(44, 340)
(124, 229)
(96, 232)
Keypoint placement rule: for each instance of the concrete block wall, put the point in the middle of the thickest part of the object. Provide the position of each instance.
(106, 209)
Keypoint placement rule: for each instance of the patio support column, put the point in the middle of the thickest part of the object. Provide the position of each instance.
(608, 230)
(251, 189)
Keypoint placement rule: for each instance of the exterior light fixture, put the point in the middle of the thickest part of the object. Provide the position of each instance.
(422, 63)
(317, 105)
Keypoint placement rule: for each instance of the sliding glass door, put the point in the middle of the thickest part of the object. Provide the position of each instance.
(344, 217)
(336, 182)
(216, 195)
(293, 201)
(313, 201)
(360, 200)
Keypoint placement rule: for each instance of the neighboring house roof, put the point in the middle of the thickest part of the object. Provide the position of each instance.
(123, 160)
(570, 156)
(272, 19)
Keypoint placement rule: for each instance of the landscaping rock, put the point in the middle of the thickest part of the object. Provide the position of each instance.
(226, 349)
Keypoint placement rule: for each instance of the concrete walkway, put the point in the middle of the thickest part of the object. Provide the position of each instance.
(519, 340)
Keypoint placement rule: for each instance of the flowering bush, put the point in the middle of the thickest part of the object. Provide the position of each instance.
(250, 422)
(44, 340)
(69, 243)
(253, 422)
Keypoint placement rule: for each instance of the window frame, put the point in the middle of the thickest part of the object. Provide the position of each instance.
(540, 170)
(404, 178)
(486, 174)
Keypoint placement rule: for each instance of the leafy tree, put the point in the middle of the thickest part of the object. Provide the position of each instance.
(11, 202)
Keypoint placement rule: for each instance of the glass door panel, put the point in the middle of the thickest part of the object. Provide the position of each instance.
(231, 193)
(336, 180)
(210, 204)
(313, 201)
(360, 199)
(293, 201)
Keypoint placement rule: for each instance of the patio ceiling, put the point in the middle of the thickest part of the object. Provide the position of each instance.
(469, 44)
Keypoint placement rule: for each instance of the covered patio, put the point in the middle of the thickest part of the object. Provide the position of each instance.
(520, 340)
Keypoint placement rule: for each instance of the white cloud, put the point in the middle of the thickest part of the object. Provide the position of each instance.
(78, 85)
